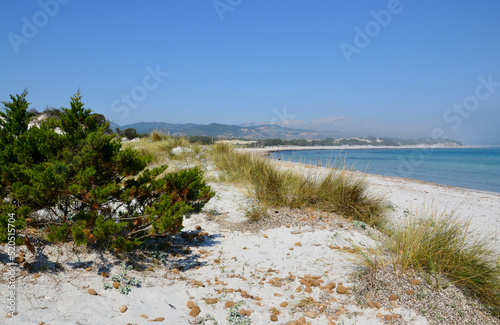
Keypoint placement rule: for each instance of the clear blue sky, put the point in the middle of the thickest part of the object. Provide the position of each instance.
(232, 61)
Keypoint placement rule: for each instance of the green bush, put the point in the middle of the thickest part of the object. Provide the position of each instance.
(71, 177)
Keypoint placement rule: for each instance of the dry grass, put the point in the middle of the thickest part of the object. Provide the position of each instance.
(338, 191)
(441, 244)
(158, 135)
(159, 146)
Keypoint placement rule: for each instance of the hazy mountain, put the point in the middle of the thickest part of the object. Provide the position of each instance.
(291, 129)
(332, 124)
(229, 131)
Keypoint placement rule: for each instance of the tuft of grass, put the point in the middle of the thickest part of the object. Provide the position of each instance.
(255, 213)
(373, 259)
(439, 243)
(159, 147)
(339, 191)
(158, 135)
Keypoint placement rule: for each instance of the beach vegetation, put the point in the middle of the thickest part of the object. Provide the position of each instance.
(78, 183)
(442, 244)
(164, 148)
(339, 191)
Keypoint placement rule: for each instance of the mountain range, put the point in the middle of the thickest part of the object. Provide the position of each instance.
(247, 131)
(288, 129)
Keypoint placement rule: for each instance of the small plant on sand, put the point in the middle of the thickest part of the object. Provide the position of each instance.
(359, 224)
(205, 320)
(442, 244)
(125, 280)
(235, 318)
(372, 258)
(255, 213)
(339, 191)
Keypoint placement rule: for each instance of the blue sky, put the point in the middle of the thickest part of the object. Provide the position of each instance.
(404, 67)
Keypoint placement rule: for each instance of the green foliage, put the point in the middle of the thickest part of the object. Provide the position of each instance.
(58, 233)
(130, 133)
(125, 280)
(90, 189)
(10, 211)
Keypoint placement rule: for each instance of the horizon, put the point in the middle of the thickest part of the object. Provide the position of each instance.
(390, 68)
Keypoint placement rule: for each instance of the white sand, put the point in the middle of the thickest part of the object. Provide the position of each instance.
(238, 260)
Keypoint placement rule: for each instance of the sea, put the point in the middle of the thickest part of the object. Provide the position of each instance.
(473, 168)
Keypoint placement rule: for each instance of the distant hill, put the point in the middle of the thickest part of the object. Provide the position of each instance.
(229, 131)
(286, 134)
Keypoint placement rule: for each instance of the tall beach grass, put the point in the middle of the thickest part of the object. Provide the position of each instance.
(439, 243)
(338, 191)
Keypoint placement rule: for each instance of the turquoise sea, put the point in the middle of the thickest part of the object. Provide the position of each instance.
(475, 168)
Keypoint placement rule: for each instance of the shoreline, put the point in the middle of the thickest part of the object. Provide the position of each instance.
(397, 178)
(266, 152)
(481, 208)
(303, 148)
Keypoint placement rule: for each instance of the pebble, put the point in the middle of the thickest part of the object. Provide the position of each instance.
(330, 286)
(92, 292)
(211, 301)
(341, 289)
(195, 311)
(123, 308)
(190, 304)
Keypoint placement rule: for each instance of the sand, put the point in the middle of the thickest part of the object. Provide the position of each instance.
(214, 262)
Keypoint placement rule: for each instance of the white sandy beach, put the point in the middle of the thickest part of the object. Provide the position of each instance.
(261, 270)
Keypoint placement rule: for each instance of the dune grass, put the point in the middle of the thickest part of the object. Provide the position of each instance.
(439, 243)
(338, 191)
(159, 146)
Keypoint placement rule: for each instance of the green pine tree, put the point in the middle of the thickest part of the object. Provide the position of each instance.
(75, 179)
